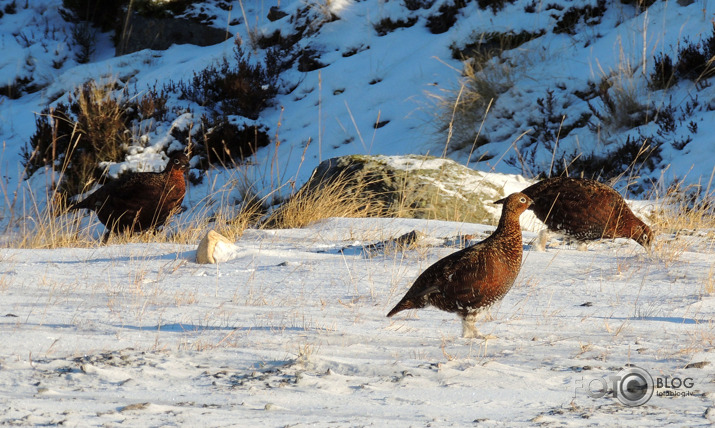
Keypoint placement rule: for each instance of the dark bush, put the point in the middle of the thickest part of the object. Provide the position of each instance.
(545, 126)
(277, 40)
(418, 4)
(18, 88)
(308, 60)
(694, 61)
(92, 127)
(446, 17)
(227, 144)
(11, 8)
(693, 127)
(53, 131)
(62, 142)
(109, 14)
(663, 75)
(637, 155)
(680, 144)
(387, 25)
(494, 5)
(106, 14)
(275, 13)
(642, 5)
(589, 14)
(487, 45)
(84, 37)
(242, 88)
(163, 9)
(665, 119)
(709, 44)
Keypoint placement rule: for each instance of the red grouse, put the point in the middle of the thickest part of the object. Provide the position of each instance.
(584, 210)
(139, 201)
(471, 280)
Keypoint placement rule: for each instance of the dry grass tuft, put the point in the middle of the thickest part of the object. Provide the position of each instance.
(620, 96)
(682, 212)
(339, 197)
(96, 124)
(43, 228)
(47, 224)
(462, 110)
(684, 209)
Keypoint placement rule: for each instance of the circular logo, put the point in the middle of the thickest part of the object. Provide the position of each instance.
(635, 387)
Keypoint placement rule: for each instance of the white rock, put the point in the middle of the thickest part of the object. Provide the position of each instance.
(215, 248)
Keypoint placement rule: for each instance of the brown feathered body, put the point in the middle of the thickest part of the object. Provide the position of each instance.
(585, 210)
(139, 201)
(472, 279)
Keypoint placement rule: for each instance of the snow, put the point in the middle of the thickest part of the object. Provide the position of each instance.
(294, 332)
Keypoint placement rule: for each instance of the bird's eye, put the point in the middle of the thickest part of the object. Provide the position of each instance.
(176, 161)
(522, 200)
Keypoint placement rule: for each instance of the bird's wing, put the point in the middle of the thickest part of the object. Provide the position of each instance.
(451, 274)
(115, 192)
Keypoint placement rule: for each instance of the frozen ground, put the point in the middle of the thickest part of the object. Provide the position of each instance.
(293, 333)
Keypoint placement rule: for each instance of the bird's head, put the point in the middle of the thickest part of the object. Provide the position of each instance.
(642, 234)
(517, 202)
(178, 161)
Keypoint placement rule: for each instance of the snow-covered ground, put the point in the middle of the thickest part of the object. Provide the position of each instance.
(293, 332)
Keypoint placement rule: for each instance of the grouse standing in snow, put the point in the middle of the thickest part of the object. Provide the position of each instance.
(139, 201)
(584, 210)
(470, 280)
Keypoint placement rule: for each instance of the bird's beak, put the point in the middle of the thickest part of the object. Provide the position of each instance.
(500, 201)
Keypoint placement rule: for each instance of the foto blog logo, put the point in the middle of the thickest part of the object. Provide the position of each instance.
(632, 386)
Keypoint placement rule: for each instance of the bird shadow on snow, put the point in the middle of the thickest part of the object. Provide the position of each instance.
(171, 327)
(189, 328)
(675, 320)
(180, 255)
(407, 241)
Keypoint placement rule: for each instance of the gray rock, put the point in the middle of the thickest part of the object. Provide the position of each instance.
(160, 33)
(416, 186)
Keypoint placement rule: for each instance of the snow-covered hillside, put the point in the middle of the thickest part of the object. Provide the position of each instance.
(383, 72)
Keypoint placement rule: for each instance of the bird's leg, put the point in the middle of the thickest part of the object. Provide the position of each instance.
(469, 328)
(542, 240)
(105, 237)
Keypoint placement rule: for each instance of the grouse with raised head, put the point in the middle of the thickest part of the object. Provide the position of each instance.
(473, 279)
(139, 201)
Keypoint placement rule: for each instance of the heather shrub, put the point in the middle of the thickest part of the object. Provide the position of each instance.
(240, 87)
(93, 126)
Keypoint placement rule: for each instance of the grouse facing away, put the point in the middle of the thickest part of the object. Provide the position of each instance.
(139, 201)
(472, 279)
(584, 210)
